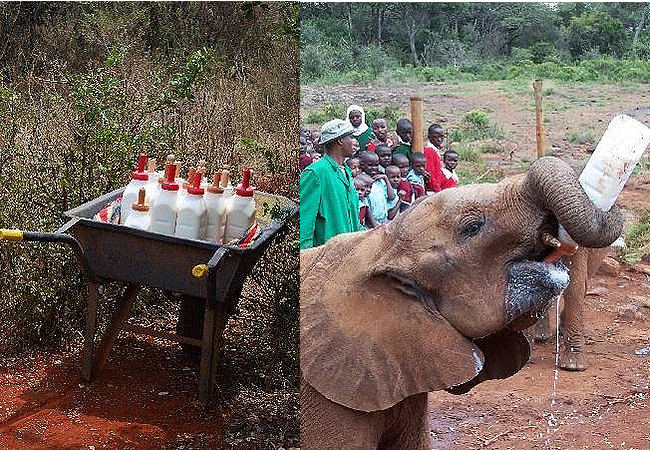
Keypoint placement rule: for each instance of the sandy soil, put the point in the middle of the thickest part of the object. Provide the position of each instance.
(607, 405)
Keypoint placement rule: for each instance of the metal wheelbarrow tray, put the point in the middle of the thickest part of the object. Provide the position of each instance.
(141, 258)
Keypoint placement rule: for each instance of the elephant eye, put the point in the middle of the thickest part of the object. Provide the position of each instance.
(471, 228)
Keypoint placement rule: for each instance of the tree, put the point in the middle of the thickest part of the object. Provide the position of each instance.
(596, 30)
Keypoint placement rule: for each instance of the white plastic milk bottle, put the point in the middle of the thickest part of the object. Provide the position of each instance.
(241, 214)
(139, 179)
(192, 216)
(216, 204)
(612, 163)
(154, 186)
(139, 217)
(163, 213)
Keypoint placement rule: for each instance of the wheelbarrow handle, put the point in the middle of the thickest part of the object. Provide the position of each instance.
(19, 235)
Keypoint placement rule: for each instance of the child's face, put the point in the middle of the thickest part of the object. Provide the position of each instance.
(380, 130)
(370, 164)
(360, 186)
(404, 167)
(368, 188)
(419, 166)
(405, 133)
(354, 166)
(385, 155)
(436, 137)
(451, 161)
(355, 118)
(394, 174)
(355, 146)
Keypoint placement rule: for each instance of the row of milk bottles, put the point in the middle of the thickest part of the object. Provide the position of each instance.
(165, 203)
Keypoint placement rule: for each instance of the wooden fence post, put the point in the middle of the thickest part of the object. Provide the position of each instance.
(417, 142)
(539, 118)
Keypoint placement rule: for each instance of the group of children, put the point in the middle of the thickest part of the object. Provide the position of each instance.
(388, 176)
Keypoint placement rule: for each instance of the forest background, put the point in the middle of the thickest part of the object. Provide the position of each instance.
(466, 41)
(87, 86)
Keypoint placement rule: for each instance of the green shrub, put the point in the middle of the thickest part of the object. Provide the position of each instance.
(580, 137)
(391, 113)
(637, 239)
(475, 125)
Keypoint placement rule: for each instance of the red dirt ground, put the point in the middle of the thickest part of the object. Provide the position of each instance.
(145, 398)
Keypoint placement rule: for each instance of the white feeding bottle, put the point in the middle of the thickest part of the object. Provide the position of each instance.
(163, 213)
(139, 179)
(241, 214)
(192, 217)
(139, 217)
(216, 205)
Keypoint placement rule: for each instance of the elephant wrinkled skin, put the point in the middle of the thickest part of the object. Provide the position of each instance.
(434, 300)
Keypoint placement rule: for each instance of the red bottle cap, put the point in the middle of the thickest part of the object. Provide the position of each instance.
(169, 184)
(245, 190)
(140, 174)
(196, 182)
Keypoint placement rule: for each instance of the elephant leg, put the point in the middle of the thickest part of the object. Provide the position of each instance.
(572, 356)
(542, 331)
(407, 425)
(326, 425)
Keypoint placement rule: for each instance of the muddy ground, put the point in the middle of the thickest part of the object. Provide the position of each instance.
(605, 406)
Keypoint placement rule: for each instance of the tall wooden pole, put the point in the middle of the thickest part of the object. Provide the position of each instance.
(417, 143)
(539, 118)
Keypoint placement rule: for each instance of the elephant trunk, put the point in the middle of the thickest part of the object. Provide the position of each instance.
(554, 183)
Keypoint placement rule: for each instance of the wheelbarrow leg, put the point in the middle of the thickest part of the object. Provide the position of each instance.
(93, 361)
(91, 325)
(119, 317)
(214, 323)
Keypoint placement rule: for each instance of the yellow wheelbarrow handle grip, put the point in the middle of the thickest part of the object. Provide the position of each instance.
(11, 235)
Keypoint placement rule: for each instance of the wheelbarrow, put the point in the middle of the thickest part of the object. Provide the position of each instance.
(199, 271)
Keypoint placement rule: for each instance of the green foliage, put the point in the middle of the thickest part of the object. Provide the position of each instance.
(182, 83)
(596, 30)
(391, 113)
(475, 125)
(330, 111)
(471, 41)
(581, 137)
(637, 239)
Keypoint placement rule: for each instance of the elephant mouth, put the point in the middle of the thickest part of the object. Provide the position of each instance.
(532, 286)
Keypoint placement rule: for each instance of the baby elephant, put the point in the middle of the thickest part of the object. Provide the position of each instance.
(434, 300)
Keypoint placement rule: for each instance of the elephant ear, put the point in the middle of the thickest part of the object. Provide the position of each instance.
(506, 352)
(367, 345)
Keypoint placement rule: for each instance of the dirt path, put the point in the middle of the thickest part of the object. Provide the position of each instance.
(606, 406)
(145, 398)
